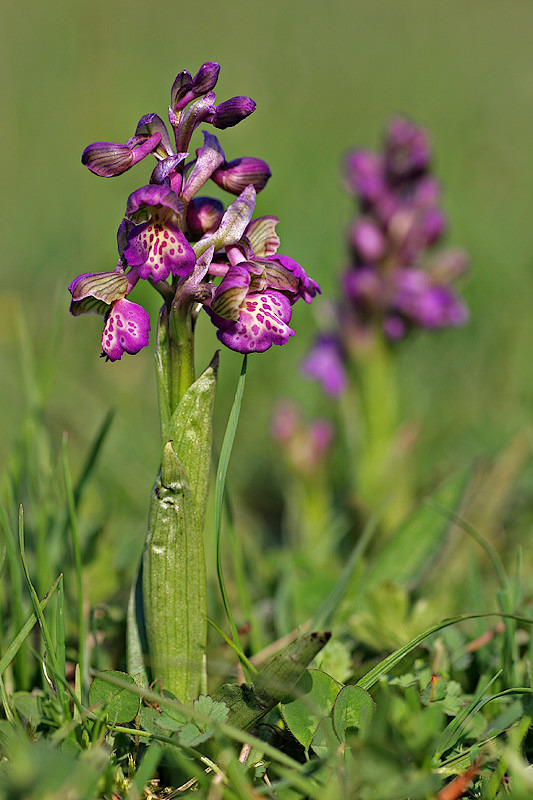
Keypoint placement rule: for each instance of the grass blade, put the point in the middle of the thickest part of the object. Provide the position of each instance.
(20, 638)
(77, 563)
(324, 616)
(388, 663)
(222, 470)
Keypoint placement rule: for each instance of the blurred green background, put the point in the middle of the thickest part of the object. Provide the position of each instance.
(326, 77)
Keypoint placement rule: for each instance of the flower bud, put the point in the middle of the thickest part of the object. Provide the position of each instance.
(206, 78)
(407, 150)
(368, 240)
(180, 87)
(204, 215)
(232, 111)
(235, 175)
(364, 175)
(108, 159)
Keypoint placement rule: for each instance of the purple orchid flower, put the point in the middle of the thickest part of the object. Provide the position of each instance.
(127, 324)
(396, 281)
(157, 247)
(183, 243)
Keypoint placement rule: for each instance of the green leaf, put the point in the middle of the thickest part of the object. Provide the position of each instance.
(191, 431)
(325, 741)
(315, 695)
(119, 704)
(353, 710)
(190, 735)
(435, 690)
(217, 711)
(174, 583)
(276, 680)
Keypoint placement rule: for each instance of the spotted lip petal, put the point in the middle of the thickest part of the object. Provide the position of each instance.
(159, 248)
(263, 321)
(126, 330)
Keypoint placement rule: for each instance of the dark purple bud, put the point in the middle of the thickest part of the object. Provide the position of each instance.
(180, 87)
(426, 192)
(368, 240)
(150, 124)
(364, 175)
(204, 215)
(394, 327)
(325, 363)
(108, 159)
(365, 287)
(407, 150)
(232, 111)
(235, 175)
(206, 78)
(432, 226)
(440, 307)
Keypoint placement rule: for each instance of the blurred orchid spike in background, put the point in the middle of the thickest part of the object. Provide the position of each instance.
(396, 280)
(180, 242)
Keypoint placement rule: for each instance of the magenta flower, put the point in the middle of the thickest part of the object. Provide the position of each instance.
(157, 247)
(127, 324)
(252, 306)
(183, 243)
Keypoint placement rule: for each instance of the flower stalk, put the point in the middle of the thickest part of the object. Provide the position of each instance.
(196, 254)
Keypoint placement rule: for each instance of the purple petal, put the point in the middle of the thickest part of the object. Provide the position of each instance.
(325, 363)
(263, 321)
(166, 167)
(204, 215)
(148, 197)
(126, 330)
(232, 111)
(209, 158)
(239, 173)
(364, 174)
(368, 240)
(151, 124)
(181, 86)
(308, 288)
(104, 286)
(200, 110)
(206, 78)
(261, 233)
(234, 222)
(230, 293)
(407, 150)
(440, 307)
(108, 159)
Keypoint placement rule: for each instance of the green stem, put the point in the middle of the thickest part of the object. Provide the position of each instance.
(181, 351)
(381, 476)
